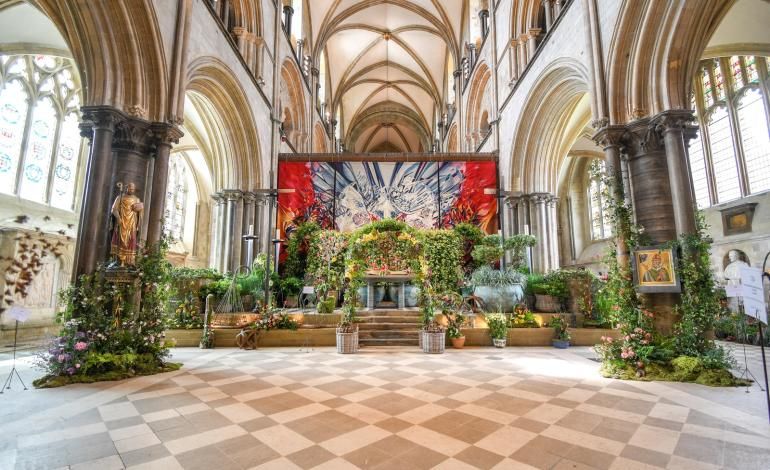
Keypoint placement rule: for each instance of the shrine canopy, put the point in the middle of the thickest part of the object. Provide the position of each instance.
(427, 190)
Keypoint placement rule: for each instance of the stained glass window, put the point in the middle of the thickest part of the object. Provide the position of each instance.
(39, 105)
(176, 197)
(756, 143)
(735, 128)
(751, 69)
(708, 90)
(719, 81)
(737, 71)
(601, 226)
(723, 156)
(13, 114)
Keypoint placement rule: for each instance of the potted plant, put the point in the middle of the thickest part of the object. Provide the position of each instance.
(290, 288)
(523, 318)
(561, 334)
(500, 289)
(549, 292)
(451, 303)
(454, 322)
(498, 328)
(433, 338)
(347, 331)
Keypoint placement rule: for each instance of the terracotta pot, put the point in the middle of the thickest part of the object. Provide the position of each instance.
(458, 343)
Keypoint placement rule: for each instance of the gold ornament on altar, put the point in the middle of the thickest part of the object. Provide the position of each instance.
(126, 220)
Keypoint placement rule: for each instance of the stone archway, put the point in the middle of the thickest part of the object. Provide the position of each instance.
(292, 97)
(478, 106)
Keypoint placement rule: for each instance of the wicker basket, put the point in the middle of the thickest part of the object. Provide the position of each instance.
(347, 343)
(499, 342)
(419, 338)
(433, 343)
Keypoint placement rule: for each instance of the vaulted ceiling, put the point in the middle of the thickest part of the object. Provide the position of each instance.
(387, 66)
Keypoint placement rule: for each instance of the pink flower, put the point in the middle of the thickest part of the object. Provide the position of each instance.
(77, 366)
(81, 346)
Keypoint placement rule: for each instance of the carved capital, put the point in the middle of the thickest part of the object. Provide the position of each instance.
(99, 118)
(218, 198)
(249, 197)
(675, 120)
(600, 123)
(239, 31)
(644, 137)
(137, 111)
(166, 134)
(133, 135)
(611, 136)
(540, 198)
(232, 194)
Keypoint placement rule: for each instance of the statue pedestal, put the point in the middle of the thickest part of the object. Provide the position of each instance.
(125, 278)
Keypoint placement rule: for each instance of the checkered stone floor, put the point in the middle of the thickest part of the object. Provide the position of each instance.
(518, 408)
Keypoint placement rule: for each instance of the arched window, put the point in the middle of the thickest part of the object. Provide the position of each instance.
(322, 79)
(296, 21)
(731, 156)
(176, 197)
(39, 137)
(601, 224)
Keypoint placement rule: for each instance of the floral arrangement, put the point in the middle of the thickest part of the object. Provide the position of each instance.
(104, 332)
(523, 318)
(498, 325)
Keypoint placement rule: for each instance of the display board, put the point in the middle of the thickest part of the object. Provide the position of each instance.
(345, 195)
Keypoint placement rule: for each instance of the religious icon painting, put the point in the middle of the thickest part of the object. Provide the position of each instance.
(654, 269)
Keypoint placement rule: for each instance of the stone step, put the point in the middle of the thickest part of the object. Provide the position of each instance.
(378, 312)
(388, 326)
(393, 319)
(387, 334)
(387, 342)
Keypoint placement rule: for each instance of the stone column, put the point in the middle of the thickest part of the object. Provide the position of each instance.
(557, 8)
(484, 18)
(612, 140)
(553, 231)
(653, 206)
(163, 135)
(231, 253)
(523, 53)
(217, 214)
(514, 48)
(548, 15)
(539, 228)
(248, 228)
(288, 12)
(98, 125)
(674, 125)
(131, 147)
(652, 190)
(221, 228)
(532, 41)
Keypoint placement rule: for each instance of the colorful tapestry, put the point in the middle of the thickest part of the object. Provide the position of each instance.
(347, 195)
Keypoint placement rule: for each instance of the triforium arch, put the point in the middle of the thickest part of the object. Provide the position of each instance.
(227, 118)
(320, 139)
(292, 99)
(452, 141)
(654, 54)
(137, 86)
(538, 151)
(479, 107)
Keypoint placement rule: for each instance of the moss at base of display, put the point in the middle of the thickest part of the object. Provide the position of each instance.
(681, 369)
(53, 381)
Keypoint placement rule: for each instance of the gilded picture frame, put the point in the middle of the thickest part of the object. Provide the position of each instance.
(654, 269)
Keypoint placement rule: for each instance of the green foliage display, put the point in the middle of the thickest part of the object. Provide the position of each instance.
(522, 318)
(297, 247)
(442, 251)
(553, 283)
(700, 306)
(498, 325)
(493, 247)
(326, 261)
(470, 235)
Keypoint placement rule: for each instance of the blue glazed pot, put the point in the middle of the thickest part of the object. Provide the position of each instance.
(560, 344)
(411, 294)
(500, 298)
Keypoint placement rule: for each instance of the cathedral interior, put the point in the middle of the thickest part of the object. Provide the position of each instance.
(219, 133)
